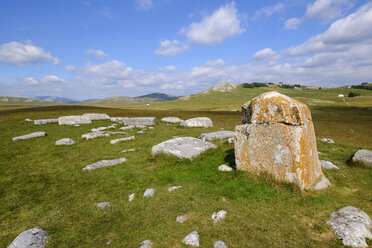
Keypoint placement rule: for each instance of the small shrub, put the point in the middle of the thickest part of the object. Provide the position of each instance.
(253, 85)
(353, 94)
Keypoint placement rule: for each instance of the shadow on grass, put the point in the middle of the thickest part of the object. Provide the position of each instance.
(230, 158)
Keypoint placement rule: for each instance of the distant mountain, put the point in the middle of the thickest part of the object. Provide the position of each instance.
(8, 100)
(145, 99)
(57, 99)
(160, 97)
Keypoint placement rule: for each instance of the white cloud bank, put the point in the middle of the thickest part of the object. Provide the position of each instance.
(326, 10)
(98, 53)
(18, 54)
(170, 48)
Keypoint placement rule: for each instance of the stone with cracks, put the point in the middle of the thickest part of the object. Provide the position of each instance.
(45, 121)
(363, 156)
(30, 135)
(146, 244)
(105, 163)
(146, 121)
(183, 147)
(352, 226)
(218, 216)
(73, 120)
(149, 193)
(219, 244)
(103, 204)
(192, 239)
(224, 167)
(65, 141)
(327, 165)
(217, 135)
(31, 238)
(277, 137)
(172, 119)
(96, 116)
(121, 140)
(198, 122)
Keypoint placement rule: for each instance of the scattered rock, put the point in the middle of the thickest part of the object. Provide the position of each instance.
(140, 132)
(277, 137)
(117, 119)
(131, 197)
(363, 156)
(220, 215)
(170, 189)
(149, 193)
(45, 121)
(121, 140)
(140, 126)
(65, 141)
(326, 140)
(31, 238)
(30, 135)
(103, 204)
(183, 147)
(96, 117)
(219, 244)
(352, 226)
(28, 120)
(151, 127)
(105, 163)
(327, 165)
(181, 219)
(217, 135)
(198, 122)
(74, 119)
(94, 135)
(127, 127)
(230, 140)
(102, 128)
(76, 125)
(224, 167)
(146, 244)
(172, 119)
(129, 150)
(192, 239)
(147, 121)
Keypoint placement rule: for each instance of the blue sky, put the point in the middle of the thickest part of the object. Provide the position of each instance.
(95, 48)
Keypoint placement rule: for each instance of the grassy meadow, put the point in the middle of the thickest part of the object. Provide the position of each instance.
(43, 185)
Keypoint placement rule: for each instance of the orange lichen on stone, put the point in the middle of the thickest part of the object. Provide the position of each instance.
(279, 139)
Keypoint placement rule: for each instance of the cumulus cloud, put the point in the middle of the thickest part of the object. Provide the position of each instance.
(18, 54)
(268, 11)
(220, 25)
(170, 48)
(170, 68)
(144, 4)
(98, 53)
(266, 54)
(292, 24)
(326, 10)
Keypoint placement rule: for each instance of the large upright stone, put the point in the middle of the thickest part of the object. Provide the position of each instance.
(277, 137)
(73, 120)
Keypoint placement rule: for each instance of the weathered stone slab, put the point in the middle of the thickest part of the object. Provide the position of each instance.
(96, 116)
(94, 135)
(278, 138)
(327, 165)
(218, 216)
(65, 141)
(146, 244)
(131, 197)
(73, 120)
(192, 239)
(217, 135)
(129, 150)
(136, 121)
(363, 156)
(102, 128)
(127, 127)
(352, 226)
(105, 163)
(170, 189)
(172, 119)
(149, 193)
(29, 120)
(103, 204)
(198, 122)
(219, 244)
(224, 167)
(121, 140)
(31, 238)
(45, 121)
(117, 119)
(30, 135)
(183, 147)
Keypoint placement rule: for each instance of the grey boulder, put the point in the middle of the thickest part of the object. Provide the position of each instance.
(172, 119)
(146, 121)
(219, 244)
(73, 120)
(217, 135)
(192, 239)
(105, 163)
(146, 244)
(328, 165)
(218, 216)
(65, 141)
(149, 193)
(198, 122)
(45, 121)
(181, 219)
(224, 167)
(183, 147)
(363, 156)
(30, 135)
(31, 238)
(352, 226)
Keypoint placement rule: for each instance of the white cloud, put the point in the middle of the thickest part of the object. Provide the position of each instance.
(326, 10)
(98, 53)
(170, 68)
(292, 24)
(170, 48)
(144, 4)
(268, 11)
(18, 54)
(220, 25)
(266, 54)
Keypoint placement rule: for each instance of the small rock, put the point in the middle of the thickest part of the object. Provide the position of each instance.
(192, 239)
(363, 156)
(198, 122)
(151, 127)
(231, 140)
(102, 128)
(30, 135)
(172, 119)
(140, 131)
(103, 204)
(31, 238)
(131, 197)
(327, 165)
(45, 121)
(219, 244)
(76, 125)
(146, 244)
(217, 135)
(149, 193)
(129, 150)
(127, 127)
(220, 215)
(181, 219)
(326, 140)
(104, 163)
(28, 120)
(322, 184)
(140, 126)
(170, 189)
(224, 167)
(65, 141)
(121, 140)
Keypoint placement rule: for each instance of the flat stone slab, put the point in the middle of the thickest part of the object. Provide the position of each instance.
(192, 239)
(65, 141)
(127, 127)
(146, 244)
(219, 244)
(198, 122)
(102, 128)
(218, 216)
(217, 135)
(352, 226)
(29, 120)
(170, 189)
(103, 204)
(30, 135)
(172, 119)
(363, 156)
(31, 238)
(129, 150)
(73, 120)
(117, 119)
(224, 167)
(105, 163)
(96, 116)
(146, 121)
(327, 165)
(45, 121)
(183, 147)
(121, 140)
(149, 193)
(97, 134)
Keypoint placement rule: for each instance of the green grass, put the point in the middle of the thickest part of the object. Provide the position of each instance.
(42, 185)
